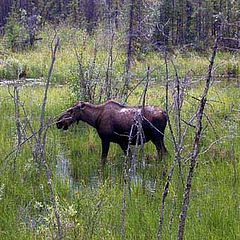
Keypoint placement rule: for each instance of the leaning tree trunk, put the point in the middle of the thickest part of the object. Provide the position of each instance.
(196, 145)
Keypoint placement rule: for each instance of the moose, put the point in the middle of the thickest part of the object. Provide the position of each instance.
(116, 123)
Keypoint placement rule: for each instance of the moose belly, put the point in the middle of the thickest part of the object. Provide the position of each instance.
(125, 138)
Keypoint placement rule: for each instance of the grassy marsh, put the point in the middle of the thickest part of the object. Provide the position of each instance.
(91, 210)
(88, 208)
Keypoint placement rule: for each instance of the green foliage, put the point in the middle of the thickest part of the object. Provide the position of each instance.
(21, 29)
(15, 32)
(233, 68)
(11, 69)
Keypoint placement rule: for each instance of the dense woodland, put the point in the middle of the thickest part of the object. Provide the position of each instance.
(189, 23)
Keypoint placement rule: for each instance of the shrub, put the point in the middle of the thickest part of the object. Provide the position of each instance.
(15, 32)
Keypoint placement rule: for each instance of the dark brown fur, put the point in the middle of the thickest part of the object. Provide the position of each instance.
(114, 121)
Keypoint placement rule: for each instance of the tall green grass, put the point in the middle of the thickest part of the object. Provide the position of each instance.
(90, 209)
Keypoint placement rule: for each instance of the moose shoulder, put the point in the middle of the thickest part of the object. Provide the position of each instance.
(114, 122)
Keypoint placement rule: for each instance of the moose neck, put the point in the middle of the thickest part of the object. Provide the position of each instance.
(91, 114)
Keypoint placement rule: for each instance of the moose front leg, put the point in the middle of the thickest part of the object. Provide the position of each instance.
(105, 149)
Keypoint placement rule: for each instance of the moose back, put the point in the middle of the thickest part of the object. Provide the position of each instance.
(115, 122)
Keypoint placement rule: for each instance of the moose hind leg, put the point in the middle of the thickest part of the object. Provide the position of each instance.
(160, 147)
(126, 149)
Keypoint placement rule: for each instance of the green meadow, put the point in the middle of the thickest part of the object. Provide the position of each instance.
(90, 208)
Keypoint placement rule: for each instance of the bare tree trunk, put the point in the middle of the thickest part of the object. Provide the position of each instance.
(108, 79)
(17, 119)
(178, 138)
(124, 197)
(50, 186)
(54, 51)
(129, 174)
(82, 79)
(177, 153)
(195, 152)
(40, 137)
(41, 142)
(125, 183)
(129, 51)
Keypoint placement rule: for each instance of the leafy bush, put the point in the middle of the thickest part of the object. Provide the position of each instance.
(11, 68)
(21, 29)
(15, 32)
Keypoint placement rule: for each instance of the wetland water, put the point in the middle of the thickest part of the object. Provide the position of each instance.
(112, 173)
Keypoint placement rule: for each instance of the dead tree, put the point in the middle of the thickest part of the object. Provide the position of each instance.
(108, 78)
(41, 144)
(180, 136)
(129, 51)
(129, 173)
(196, 145)
(39, 136)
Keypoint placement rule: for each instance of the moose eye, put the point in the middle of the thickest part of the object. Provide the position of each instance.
(82, 105)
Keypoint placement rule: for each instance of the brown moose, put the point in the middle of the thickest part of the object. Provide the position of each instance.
(114, 122)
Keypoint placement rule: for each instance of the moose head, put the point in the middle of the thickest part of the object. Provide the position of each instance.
(71, 116)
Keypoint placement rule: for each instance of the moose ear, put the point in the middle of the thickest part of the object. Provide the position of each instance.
(82, 105)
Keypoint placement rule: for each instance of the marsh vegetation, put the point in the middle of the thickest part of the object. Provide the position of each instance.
(51, 183)
(90, 208)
